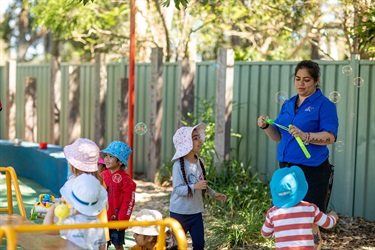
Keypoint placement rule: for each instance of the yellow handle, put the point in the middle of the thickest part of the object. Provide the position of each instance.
(302, 146)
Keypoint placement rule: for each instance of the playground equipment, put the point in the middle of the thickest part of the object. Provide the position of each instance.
(19, 231)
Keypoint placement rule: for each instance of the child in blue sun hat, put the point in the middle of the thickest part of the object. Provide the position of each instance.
(291, 219)
(120, 188)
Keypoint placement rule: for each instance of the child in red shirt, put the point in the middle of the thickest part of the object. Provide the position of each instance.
(120, 188)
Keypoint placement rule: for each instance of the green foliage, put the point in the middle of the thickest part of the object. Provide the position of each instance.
(177, 3)
(84, 1)
(366, 32)
(238, 221)
(97, 26)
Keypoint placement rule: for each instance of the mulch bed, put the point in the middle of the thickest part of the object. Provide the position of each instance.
(349, 233)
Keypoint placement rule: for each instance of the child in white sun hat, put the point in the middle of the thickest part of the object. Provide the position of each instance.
(88, 198)
(82, 156)
(189, 182)
(120, 188)
(146, 237)
(291, 219)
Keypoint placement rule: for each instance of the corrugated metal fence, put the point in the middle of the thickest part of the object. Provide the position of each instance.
(258, 89)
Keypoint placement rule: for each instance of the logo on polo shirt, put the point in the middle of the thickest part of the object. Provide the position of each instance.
(309, 108)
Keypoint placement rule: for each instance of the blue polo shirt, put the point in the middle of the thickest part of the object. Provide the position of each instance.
(316, 114)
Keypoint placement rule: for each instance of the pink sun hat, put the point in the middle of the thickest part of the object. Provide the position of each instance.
(101, 161)
(83, 154)
(183, 142)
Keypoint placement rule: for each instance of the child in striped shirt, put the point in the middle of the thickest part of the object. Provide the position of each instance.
(291, 219)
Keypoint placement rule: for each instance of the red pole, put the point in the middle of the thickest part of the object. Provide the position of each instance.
(131, 85)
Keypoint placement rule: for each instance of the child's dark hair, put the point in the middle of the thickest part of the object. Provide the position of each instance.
(311, 66)
(170, 240)
(182, 165)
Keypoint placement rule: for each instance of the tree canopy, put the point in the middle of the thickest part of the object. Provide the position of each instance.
(256, 30)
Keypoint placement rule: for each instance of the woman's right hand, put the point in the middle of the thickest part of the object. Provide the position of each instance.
(200, 185)
(261, 121)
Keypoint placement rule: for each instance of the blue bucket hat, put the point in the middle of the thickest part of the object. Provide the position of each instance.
(288, 187)
(120, 150)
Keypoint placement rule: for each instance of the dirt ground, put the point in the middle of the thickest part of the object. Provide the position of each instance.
(349, 233)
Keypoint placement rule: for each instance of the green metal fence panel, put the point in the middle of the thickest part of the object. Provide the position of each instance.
(115, 72)
(364, 170)
(2, 99)
(42, 74)
(141, 114)
(87, 100)
(170, 99)
(205, 81)
(68, 94)
(64, 111)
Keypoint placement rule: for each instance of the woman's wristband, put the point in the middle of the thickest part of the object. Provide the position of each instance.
(265, 126)
(307, 138)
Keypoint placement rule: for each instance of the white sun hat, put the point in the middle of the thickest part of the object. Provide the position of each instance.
(183, 142)
(85, 194)
(147, 215)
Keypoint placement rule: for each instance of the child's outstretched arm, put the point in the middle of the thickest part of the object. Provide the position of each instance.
(220, 197)
(49, 219)
(326, 220)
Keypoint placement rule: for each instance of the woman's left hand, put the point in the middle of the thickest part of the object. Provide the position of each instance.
(220, 197)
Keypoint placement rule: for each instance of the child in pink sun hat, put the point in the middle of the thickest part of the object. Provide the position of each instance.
(189, 182)
(82, 156)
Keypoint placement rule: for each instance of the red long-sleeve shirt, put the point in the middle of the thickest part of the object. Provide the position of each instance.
(121, 194)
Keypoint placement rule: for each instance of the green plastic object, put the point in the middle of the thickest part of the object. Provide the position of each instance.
(269, 121)
(302, 146)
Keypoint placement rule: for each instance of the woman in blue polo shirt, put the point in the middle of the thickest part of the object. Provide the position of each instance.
(315, 121)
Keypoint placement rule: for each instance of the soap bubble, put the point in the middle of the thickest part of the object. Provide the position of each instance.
(334, 96)
(358, 81)
(140, 128)
(281, 97)
(347, 70)
(339, 146)
(214, 66)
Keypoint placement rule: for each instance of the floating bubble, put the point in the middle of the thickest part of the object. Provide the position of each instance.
(347, 70)
(339, 146)
(140, 128)
(358, 81)
(334, 96)
(281, 97)
(214, 66)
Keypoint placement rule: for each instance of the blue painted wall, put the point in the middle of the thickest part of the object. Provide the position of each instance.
(48, 167)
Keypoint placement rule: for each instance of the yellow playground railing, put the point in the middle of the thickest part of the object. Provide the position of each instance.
(11, 177)
(16, 231)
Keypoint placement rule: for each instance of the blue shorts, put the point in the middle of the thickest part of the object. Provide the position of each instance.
(117, 237)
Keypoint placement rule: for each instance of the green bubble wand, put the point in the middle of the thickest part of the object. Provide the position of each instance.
(298, 139)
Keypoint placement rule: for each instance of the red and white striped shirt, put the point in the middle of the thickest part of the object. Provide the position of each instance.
(292, 227)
